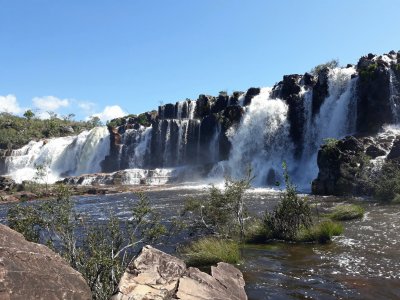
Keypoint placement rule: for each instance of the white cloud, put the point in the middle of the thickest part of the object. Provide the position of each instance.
(10, 104)
(110, 112)
(86, 106)
(50, 103)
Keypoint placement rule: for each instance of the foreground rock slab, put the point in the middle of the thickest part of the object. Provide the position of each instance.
(154, 274)
(33, 271)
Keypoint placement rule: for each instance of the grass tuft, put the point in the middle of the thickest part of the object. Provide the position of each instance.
(347, 212)
(209, 250)
(321, 233)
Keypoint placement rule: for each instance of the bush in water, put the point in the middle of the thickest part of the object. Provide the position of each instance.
(223, 211)
(290, 214)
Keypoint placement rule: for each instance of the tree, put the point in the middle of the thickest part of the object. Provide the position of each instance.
(95, 121)
(29, 114)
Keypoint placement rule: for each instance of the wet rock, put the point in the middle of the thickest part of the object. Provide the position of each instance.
(111, 162)
(250, 94)
(234, 99)
(395, 151)
(340, 166)
(220, 104)
(157, 275)
(320, 90)
(289, 90)
(67, 129)
(374, 151)
(33, 271)
(309, 80)
(203, 106)
(373, 95)
(6, 183)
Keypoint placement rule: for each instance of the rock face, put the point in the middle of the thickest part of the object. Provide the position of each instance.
(348, 166)
(157, 275)
(33, 271)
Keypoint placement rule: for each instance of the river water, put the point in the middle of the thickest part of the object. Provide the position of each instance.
(363, 263)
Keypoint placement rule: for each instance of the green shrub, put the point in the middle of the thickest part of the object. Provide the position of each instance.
(387, 184)
(321, 233)
(223, 211)
(291, 214)
(209, 250)
(256, 232)
(368, 72)
(334, 63)
(347, 212)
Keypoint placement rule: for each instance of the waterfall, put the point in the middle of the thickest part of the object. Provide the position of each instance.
(64, 156)
(167, 143)
(262, 139)
(214, 144)
(336, 119)
(141, 146)
(394, 97)
(192, 107)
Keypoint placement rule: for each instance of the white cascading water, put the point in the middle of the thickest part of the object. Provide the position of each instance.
(336, 119)
(394, 96)
(261, 141)
(142, 146)
(72, 155)
(387, 135)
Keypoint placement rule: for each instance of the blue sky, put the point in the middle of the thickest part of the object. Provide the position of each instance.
(79, 57)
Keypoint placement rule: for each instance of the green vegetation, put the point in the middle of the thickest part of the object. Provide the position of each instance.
(116, 122)
(387, 184)
(347, 212)
(334, 63)
(331, 143)
(100, 253)
(291, 214)
(210, 250)
(369, 71)
(17, 131)
(141, 119)
(321, 232)
(222, 212)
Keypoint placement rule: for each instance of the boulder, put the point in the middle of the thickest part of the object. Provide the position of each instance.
(341, 166)
(6, 183)
(374, 151)
(250, 94)
(33, 271)
(395, 151)
(154, 274)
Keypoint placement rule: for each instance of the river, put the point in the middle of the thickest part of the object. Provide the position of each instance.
(363, 263)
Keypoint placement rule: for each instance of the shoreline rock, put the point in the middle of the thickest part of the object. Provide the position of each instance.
(154, 274)
(33, 271)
